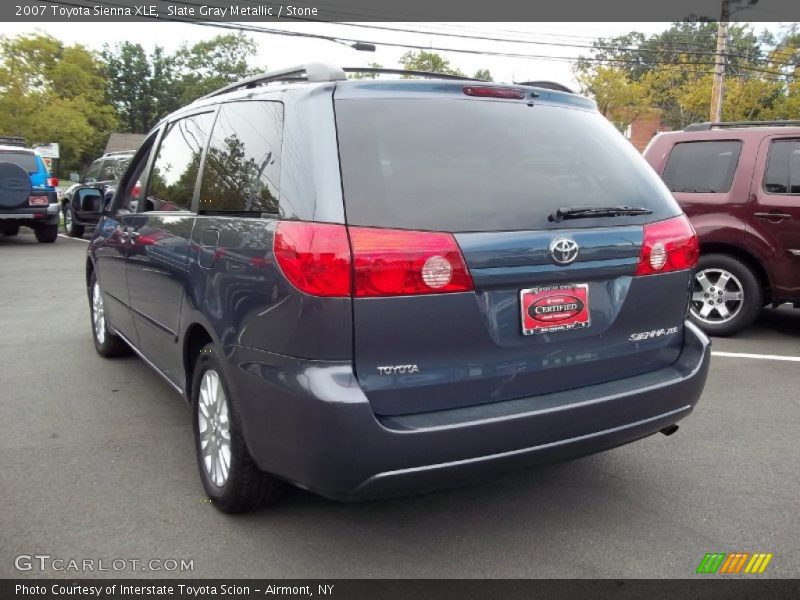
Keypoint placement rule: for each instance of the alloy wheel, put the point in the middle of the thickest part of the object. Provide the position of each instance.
(214, 428)
(718, 296)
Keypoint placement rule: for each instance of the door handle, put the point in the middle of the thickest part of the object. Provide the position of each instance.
(772, 216)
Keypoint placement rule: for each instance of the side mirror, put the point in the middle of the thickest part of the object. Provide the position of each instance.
(74, 177)
(89, 199)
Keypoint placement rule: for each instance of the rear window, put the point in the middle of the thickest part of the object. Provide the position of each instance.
(702, 167)
(26, 160)
(466, 165)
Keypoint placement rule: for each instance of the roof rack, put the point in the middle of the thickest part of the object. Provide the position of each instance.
(13, 140)
(727, 124)
(307, 72)
(548, 85)
(429, 74)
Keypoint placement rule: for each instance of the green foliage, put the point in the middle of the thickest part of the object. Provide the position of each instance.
(373, 65)
(428, 61)
(50, 92)
(673, 71)
(483, 74)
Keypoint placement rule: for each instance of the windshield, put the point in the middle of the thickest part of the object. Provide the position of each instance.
(465, 165)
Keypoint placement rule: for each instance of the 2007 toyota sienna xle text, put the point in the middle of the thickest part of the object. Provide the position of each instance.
(370, 287)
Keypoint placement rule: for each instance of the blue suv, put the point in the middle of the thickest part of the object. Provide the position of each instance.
(369, 287)
(27, 194)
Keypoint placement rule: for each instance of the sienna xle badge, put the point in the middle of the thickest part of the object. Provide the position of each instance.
(367, 287)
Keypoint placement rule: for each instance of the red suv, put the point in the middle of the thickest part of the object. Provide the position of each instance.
(739, 183)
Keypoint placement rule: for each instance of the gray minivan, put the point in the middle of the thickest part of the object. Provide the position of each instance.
(368, 287)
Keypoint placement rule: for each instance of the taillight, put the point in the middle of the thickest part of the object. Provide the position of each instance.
(669, 245)
(38, 200)
(394, 262)
(494, 92)
(52, 181)
(137, 189)
(314, 257)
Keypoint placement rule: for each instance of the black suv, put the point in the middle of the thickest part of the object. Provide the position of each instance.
(366, 287)
(81, 210)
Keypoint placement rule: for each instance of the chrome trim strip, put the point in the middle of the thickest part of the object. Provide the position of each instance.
(16, 216)
(795, 252)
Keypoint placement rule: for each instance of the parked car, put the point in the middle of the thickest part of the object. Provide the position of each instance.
(105, 172)
(372, 287)
(27, 194)
(739, 183)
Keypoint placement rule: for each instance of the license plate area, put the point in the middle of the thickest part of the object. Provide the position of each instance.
(552, 308)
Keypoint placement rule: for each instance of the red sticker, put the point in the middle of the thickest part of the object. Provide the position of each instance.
(554, 308)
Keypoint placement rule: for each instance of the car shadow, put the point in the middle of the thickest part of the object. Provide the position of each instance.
(784, 320)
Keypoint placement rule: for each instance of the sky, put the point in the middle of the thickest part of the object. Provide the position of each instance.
(279, 51)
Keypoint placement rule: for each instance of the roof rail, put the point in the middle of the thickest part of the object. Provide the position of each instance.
(13, 140)
(429, 74)
(307, 72)
(727, 124)
(548, 85)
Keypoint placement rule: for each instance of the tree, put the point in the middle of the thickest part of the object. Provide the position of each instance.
(483, 74)
(50, 92)
(372, 65)
(618, 99)
(212, 64)
(428, 61)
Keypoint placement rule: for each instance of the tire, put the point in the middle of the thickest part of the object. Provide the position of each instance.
(217, 424)
(725, 284)
(11, 230)
(106, 343)
(46, 234)
(71, 228)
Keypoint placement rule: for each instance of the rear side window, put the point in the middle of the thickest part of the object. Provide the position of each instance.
(468, 165)
(243, 164)
(698, 167)
(26, 160)
(177, 164)
(113, 169)
(783, 168)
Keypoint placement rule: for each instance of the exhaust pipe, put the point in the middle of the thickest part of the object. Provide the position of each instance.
(669, 430)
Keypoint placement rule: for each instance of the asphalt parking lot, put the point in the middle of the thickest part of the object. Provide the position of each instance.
(96, 461)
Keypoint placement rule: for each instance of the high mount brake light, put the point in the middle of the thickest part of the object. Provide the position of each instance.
(494, 92)
(670, 245)
(318, 259)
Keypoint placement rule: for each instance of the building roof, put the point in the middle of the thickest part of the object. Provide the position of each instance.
(118, 142)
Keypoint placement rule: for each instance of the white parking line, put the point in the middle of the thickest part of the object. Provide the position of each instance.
(756, 356)
(66, 237)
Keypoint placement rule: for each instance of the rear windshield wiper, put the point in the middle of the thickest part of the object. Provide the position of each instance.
(586, 212)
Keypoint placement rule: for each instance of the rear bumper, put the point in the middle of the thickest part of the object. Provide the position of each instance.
(32, 216)
(309, 422)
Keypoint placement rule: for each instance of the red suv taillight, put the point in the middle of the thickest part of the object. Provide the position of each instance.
(314, 257)
(52, 181)
(396, 262)
(318, 259)
(669, 245)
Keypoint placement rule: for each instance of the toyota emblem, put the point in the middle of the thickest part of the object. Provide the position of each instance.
(564, 251)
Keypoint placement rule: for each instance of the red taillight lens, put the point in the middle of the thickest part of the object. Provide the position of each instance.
(314, 257)
(38, 200)
(137, 189)
(494, 92)
(52, 181)
(393, 262)
(669, 245)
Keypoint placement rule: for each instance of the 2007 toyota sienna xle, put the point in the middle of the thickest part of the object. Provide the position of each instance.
(370, 287)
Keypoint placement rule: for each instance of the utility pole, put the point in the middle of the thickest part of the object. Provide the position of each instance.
(719, 63)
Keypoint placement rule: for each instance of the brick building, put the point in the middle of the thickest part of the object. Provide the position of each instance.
(644, 127)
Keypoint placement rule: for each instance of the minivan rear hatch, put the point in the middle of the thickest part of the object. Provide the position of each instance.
(492, 174)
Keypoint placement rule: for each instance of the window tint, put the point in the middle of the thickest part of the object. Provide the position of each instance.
(26, 160)
(113, 169)
(93, 173)
(177, 163)
(471, 165)
(242, 169)
(783, 168)
(696, 167)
